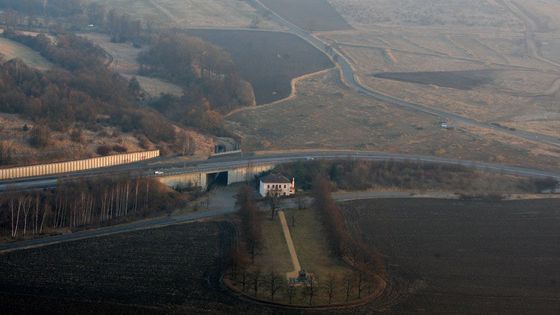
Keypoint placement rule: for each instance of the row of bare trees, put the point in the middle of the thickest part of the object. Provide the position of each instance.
(84, 203)
(366, 260)
(332, 289)
(250, 221)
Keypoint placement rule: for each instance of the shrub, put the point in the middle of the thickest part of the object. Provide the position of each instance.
(104, 150)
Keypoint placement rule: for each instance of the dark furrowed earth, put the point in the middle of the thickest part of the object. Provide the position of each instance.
(444, 256)
(174, 270)
(268, 60)
(462, 80)
(312, 15)
(467, 257)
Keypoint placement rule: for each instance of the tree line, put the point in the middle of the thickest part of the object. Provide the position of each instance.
(273, 286)
(76, 14)
(80, 92)
(362, 175)
(84, 203)
(202, 69)
(361, 256)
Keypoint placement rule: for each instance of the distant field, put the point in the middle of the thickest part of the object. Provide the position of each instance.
(313, 15)
(475, 13)
(462, 80)
(10, 50)
(182, 13)
(123, 60)
(268, 60)
(327, 115)
(467, 257)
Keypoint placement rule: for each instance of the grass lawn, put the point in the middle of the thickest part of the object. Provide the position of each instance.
(314, 254)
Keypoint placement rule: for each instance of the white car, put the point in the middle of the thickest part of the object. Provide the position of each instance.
(158, 173)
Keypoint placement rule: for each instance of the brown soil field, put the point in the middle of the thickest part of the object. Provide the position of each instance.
(151, 270)
(268, 60)
(466, 257)
(313, 15)
(172, 270)
(462, 80)
(445, 257)
(327, 115)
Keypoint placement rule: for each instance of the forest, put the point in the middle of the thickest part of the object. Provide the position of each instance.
(86, 203)
(81, 91)
(206, 72)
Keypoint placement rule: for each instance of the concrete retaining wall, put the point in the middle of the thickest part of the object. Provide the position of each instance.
(243, 174)
(184, 180)
(77, 165)
(200, 179)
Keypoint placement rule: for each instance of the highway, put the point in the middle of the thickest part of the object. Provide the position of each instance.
(349, 78)
(222, 164)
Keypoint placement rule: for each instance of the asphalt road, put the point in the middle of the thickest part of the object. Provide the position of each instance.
(170, 167)
(348, 77)
(222, 203)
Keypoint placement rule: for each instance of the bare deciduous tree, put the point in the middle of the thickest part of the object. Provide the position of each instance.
(330, 287)
(274, 283)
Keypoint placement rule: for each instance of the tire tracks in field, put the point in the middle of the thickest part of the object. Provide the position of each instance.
(531, 26)
(165, 11)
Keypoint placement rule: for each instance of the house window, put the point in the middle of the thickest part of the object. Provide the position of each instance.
(284, 186)
(267, 186)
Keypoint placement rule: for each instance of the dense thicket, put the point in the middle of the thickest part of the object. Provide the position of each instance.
(85, 203)
(82, 90)
(205, 71)
(361, 175)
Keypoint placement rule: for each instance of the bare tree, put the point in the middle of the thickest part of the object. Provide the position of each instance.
(255, 281)
(300, 199)
(290, 292)
(273, 201)
(274, 283)
(244, 275)
(348, 285)
(360, 277)
(310, 290)
(330, 286)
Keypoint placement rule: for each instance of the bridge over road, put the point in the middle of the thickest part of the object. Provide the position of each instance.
(243, 167)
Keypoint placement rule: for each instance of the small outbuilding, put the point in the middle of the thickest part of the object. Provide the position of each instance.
(277, 185)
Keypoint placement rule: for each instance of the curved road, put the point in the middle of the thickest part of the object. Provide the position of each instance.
(170, 167)
(222, 164)
(347, 75)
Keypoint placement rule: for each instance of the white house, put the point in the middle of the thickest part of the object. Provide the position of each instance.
(277, 185)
